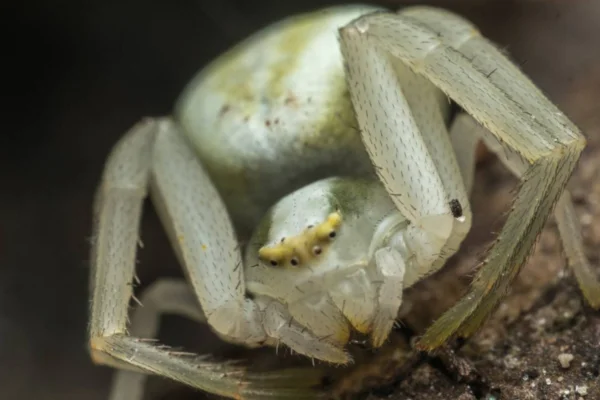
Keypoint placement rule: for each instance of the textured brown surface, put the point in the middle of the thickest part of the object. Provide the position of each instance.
(79, 76)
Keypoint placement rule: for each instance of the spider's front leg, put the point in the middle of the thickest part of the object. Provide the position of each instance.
(449, 52)
(404, 131)
(198, 223)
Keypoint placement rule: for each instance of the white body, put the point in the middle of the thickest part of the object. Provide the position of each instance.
(265, 124)
(329, 137)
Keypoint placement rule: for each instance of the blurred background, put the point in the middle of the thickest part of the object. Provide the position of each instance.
(78, 74)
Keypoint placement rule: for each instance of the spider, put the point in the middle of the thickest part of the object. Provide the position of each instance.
(307, 177)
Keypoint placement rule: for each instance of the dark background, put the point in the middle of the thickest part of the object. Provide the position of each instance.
(76, 75)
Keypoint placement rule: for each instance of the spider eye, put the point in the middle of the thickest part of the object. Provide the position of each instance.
(317, 250)
(274, 263)
(294, 261)
(332, 234)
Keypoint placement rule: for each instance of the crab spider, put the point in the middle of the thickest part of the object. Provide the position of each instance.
(327, 144)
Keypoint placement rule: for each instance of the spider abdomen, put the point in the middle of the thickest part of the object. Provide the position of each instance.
(274, 114)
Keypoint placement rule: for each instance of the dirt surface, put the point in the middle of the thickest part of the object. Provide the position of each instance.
(80, 75)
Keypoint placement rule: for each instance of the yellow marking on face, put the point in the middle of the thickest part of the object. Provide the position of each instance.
(300, 249)
(180, 238)
(333, 221)
(204, 247)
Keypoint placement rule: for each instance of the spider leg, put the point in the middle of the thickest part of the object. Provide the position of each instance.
(390, 271)
(404, 131)
(464, 144)
(165, 296)
(570, 234)
(564, 212)
(117, 216)
(203, 237)
(281, 326)
(450, 53)
(390, 266)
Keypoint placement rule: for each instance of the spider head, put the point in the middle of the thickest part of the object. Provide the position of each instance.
(316, 239)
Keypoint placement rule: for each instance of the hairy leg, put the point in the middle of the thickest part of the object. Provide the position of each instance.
(450, 53)
(166, 296)
(564, 212)
(117, 215)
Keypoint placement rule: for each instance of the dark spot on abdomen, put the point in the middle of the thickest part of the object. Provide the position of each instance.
(456, 208)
